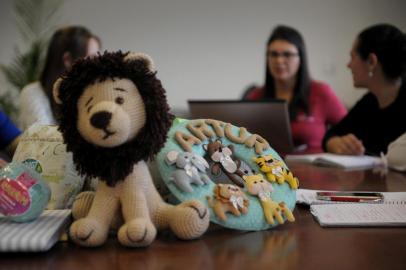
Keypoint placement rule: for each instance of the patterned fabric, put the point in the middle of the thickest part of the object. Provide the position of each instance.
(39, 235)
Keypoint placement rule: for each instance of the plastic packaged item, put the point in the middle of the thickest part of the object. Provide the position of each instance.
(41, 147)
(23, 193)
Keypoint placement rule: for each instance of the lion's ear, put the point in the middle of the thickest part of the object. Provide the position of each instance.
(141, 57)
(55, 91)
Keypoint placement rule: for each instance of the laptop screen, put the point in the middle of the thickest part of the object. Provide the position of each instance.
(269, 119)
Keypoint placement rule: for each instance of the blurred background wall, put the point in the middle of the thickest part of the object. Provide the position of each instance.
(214, 49)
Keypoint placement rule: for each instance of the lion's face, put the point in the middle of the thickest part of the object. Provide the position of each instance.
(227, 190)
(111, 112)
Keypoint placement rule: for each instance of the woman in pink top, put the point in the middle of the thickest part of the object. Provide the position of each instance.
(312, 105)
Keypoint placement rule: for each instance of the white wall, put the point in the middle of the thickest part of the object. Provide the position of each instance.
(215, 48)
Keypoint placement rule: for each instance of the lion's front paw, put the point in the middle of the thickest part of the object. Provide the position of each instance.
(82, 204)
(190, 220)
(137, 233)
(88, 232)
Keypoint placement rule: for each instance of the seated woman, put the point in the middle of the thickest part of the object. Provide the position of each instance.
(312, 104)
(9, 137)
(378, 63)
(66, 45)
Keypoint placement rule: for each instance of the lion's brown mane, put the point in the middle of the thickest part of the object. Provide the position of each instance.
(113, 164)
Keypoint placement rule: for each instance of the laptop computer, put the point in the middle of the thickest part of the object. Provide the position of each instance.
(269, 119)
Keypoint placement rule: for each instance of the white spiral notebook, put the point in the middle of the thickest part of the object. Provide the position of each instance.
(38, 235)
(340, 161)
(309, 197)
(389, 213)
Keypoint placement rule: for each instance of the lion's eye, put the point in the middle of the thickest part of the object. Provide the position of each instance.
(119, 100)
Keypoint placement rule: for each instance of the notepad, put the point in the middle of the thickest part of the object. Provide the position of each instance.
(38, 235)
(341, 161)
(309, 197)
(360, 215)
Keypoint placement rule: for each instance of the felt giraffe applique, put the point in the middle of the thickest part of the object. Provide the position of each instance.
(258, 186)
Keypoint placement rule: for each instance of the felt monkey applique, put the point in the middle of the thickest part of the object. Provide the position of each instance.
(224, 161)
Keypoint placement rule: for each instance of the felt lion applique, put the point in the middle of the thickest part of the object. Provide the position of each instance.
(228, 198)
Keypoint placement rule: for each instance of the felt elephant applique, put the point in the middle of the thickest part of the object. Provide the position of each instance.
(191, 169)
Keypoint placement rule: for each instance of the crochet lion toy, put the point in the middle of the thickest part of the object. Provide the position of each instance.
(114, 117)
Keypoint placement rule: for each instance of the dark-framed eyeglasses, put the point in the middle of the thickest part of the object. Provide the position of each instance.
(286, 54)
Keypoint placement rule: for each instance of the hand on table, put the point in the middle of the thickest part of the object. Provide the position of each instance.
(345, 145)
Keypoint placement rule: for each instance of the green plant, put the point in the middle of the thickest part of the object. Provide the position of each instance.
(35, 22)
(7, 105)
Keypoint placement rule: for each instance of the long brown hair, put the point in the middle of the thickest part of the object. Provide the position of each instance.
(302, 88)
(71, 39)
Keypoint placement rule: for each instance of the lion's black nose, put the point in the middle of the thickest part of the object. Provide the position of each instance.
(100, 120)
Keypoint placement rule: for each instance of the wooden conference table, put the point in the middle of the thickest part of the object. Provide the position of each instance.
(299, 245)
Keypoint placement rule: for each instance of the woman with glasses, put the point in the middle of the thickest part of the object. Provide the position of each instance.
(312, 104)
(378, 63)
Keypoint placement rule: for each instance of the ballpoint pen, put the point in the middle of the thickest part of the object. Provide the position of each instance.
(343, 196)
